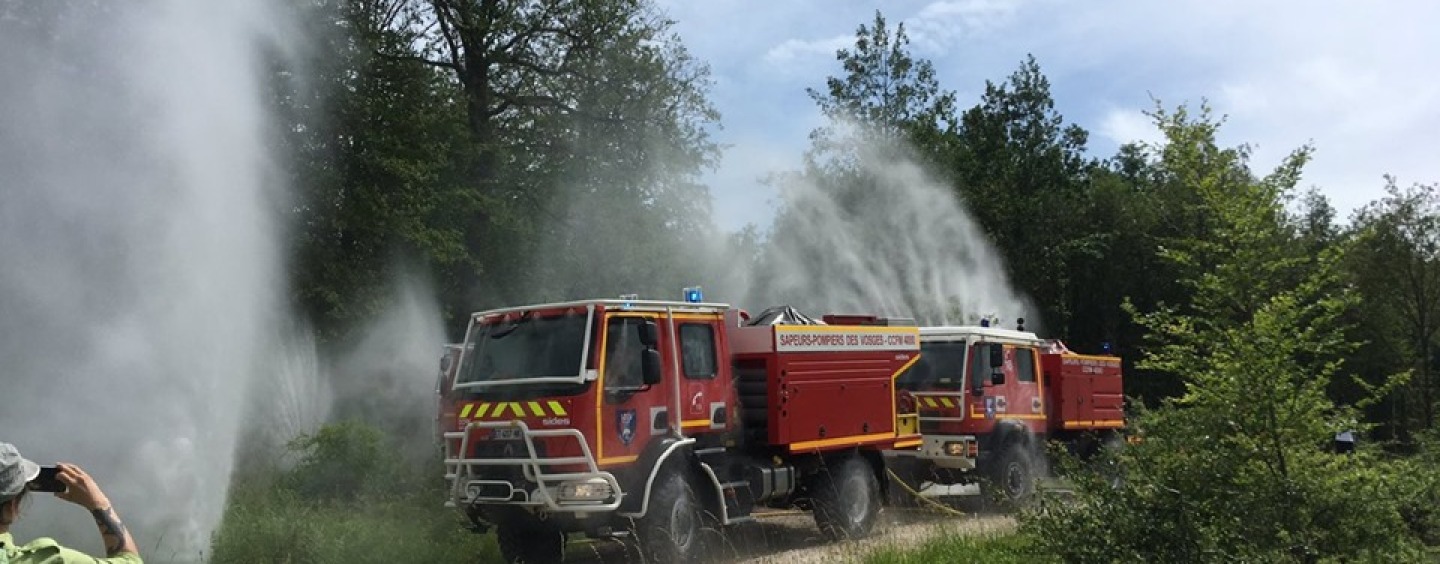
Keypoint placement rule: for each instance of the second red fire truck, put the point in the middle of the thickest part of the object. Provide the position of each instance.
(991, 399)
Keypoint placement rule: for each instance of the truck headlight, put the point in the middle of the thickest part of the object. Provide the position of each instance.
(955, 448)
(588, 490)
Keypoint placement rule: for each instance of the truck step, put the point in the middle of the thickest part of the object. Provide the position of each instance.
(710, 451)
(734, 485)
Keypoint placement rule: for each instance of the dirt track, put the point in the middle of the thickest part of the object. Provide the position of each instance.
(790, 537)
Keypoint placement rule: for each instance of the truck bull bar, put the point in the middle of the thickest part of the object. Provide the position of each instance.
(469, 487)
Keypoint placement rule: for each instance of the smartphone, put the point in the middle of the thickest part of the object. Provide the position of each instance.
(46, 481)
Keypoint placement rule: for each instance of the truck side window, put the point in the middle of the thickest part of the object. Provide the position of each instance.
(622, 353)
(979, 365)
(1024, 364)
(697, 350)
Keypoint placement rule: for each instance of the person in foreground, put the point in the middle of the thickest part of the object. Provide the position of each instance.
(18, 480)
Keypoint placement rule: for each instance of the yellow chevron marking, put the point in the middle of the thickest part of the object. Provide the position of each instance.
(557, 408)
(536, 409)
(931, 402)
(465, 411)
(947, 402)
(480, 413)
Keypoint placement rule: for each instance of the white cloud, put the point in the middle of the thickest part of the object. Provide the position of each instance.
(941, 24)
(807, 51)
(1124, 125)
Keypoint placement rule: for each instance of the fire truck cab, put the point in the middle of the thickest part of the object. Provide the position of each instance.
(662, 419)
(989, 399)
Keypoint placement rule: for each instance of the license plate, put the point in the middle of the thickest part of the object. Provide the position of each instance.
(508, 434)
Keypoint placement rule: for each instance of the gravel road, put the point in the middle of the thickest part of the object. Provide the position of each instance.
(790, 537)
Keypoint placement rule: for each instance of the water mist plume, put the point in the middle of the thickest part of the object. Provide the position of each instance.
(875, 233)
(388, 374)
(141, 284)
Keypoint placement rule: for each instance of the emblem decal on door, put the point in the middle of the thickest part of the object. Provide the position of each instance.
(625, 424)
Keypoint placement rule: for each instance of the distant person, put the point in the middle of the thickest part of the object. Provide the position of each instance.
(18, 479)
(1345, 442)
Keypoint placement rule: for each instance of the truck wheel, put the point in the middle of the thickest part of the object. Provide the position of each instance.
(846, 499)
(531, 543)
(671, 528)
(1014, 478)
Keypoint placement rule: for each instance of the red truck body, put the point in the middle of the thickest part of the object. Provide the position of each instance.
(1084, 391)
(587, 416)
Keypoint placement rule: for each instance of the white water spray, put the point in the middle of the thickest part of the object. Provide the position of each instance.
(890, 240)
(388, 374)
(139, 294)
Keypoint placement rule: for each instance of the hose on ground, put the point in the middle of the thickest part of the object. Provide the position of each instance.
(934, 504)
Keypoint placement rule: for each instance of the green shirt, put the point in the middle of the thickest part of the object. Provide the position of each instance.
(47, 551)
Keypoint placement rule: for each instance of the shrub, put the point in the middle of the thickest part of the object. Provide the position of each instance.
(347, 499)
(344, 461)
(992, 549)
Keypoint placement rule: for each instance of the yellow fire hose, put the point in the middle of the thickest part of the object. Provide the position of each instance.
(932, 503)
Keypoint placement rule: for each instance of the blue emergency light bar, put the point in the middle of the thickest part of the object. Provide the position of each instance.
(694, 295)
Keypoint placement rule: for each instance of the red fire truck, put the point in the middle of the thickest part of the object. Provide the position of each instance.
(662, 419)
(990, 398)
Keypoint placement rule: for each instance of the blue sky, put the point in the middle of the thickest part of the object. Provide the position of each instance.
(1358, 80)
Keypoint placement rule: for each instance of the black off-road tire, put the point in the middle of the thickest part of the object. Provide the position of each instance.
(1012, 481)
(846, 499)
(672, 528)
(531, 543)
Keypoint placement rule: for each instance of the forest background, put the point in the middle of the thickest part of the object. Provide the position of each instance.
(481, 154)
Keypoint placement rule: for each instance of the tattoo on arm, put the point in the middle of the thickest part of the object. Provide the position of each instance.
(111, 529)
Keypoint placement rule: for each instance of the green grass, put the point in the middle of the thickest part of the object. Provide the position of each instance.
(273, 524)
(990, 548)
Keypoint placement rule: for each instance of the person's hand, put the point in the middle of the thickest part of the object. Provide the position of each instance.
(80, 488)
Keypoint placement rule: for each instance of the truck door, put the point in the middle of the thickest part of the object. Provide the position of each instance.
(629, 413)
(704, 391)
(1022, 392)
(1017, 394)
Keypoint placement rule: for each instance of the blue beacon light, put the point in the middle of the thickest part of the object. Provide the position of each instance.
(693, 295)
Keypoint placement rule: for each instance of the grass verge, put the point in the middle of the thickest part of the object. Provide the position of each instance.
(272, 524)
(1005, 548)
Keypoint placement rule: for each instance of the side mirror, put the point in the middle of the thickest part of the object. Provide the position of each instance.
(650, 365)
(649, 334)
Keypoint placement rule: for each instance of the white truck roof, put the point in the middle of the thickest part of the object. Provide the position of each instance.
(962, 332)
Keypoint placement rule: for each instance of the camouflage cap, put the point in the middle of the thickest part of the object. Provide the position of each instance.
(15, 471)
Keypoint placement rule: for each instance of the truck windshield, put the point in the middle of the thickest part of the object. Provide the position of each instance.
(941, 367)
(526, 347)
